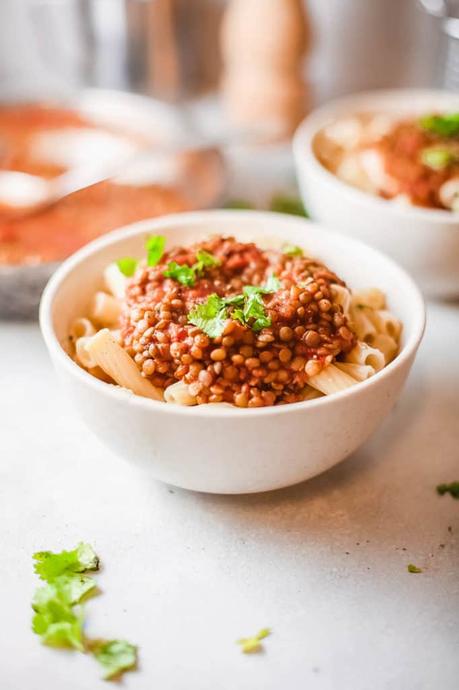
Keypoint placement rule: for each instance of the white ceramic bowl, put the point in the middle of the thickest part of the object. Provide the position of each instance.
(220, 449)
(424, 241)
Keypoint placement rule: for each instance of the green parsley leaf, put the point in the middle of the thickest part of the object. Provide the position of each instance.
(255, 312)
(442, 125)
(437, 158)
(292, 250)
(155, 249)
(240, 204)
(452, 489)
(205, 260)
(413, 569)
(182, 273)
(210, 316)
(50, 565)
(127, 266)
(253, 644)
(283, 203)
(115, 656)
(55, 620)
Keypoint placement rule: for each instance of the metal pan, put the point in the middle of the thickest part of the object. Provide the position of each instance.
(21, 286)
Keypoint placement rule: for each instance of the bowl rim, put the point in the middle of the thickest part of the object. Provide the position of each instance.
(305, 155)
(196, 218)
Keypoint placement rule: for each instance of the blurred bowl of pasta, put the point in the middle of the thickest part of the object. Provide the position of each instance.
(345, 184)
(222, 448)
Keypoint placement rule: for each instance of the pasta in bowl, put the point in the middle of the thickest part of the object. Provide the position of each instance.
(222, 351)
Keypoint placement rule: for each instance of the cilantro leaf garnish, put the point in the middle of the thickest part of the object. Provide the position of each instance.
(452, 489)
(239, 204)
(50, 565)
(186, 275)
(248, 308)
(182, 273)
(127, 266)
(71, 589)
(115, 656)
(155, 249)
(413, 568)
(438, 158)
(443, 125)
(292, 250)
(253, 644)
(283, 203)
(210, 316)
(205, 260)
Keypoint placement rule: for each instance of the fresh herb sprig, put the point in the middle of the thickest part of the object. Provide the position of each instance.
(452, 489)
(438, 157)
(186, 275)
(413, 569)
(443, 125)
(249, 645)
(248, 308)
(58, 615)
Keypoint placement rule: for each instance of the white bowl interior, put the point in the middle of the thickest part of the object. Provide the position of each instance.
(72, 286)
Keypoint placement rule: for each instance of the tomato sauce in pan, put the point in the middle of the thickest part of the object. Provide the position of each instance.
(57, 231)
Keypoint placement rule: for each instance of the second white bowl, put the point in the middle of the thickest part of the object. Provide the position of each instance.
(424, 241)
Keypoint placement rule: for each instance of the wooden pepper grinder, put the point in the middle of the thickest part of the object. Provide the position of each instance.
(264, 43)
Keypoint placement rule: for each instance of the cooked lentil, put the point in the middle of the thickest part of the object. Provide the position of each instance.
(249, 369)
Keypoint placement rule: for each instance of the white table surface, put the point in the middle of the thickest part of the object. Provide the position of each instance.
(324, 564)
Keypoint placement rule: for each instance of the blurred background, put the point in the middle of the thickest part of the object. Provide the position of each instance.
(170, 48)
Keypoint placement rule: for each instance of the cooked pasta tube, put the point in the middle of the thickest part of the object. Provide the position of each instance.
(81, 328)
(331, 380)
(387, 345)
(360, 372)
(342, 296)
(363, 323)
(386, 323)
(373, 298)
(115, 281)
(105, 309)
(363, 353)
(81, 353)
(109, 356)
(178, 393)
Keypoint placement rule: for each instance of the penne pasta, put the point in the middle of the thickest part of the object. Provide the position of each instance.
(81, 328)
(386, 345)
(105, 309)
(373, 298)
(364, 327)
(365, 354)
(178, 394)
(386, 323)
(82, 355)
(342, 296)
(106, 353)
(331, 380)
(115, 281)
(360, 372)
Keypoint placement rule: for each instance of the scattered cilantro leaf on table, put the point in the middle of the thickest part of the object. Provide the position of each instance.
(58, 615)
(413, 568)
(249, 645)
(115, 656)
(452, 488)
(50, 565)
(291, 205)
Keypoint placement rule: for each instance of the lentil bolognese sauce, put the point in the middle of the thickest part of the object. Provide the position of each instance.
(224, 321)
